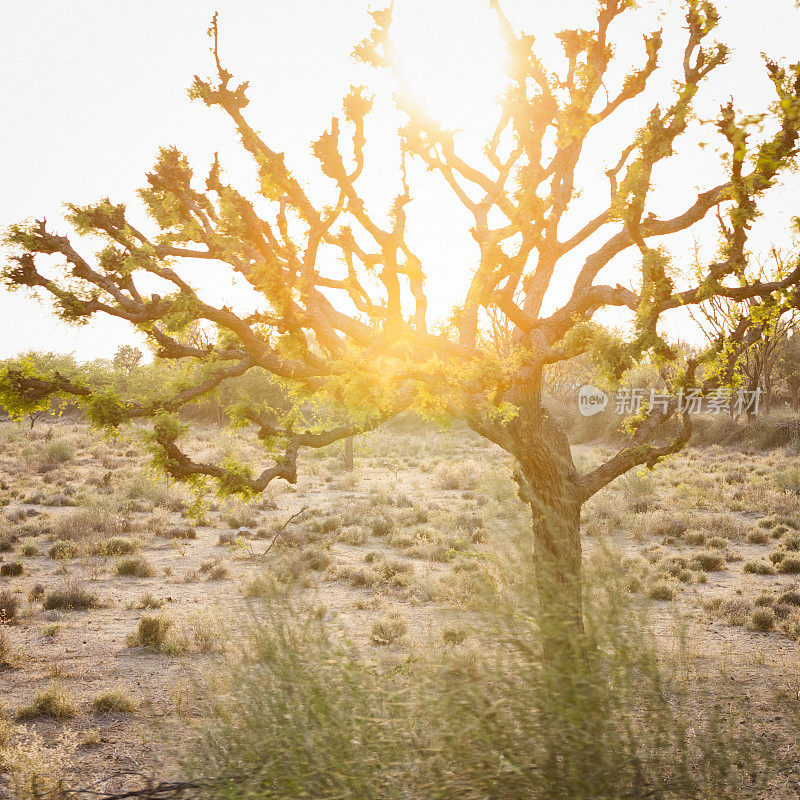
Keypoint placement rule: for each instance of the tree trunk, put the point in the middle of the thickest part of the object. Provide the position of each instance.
(557, 546)
(348, 453)
(550, 485)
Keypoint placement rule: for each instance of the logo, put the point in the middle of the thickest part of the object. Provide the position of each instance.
(591, 400)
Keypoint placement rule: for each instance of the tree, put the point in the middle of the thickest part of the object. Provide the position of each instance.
(790, 367)
(344, 321)
(127, 358)
(756, 358)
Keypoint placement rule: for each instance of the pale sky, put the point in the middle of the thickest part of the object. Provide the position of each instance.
(90, 89)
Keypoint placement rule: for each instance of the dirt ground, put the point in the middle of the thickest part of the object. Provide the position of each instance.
(712, 537)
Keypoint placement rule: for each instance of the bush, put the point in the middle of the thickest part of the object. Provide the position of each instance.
(388, 629)
(459, 475)
(661, 590)
(709, 560)
(789, 480)
(180, 532)
(52, 701)
(762, 619)
(138, 567)
(29, 549)
(11, 569)
(758, 568)
(383, 526)
(151, 632)
(499, 720)
(118, 546)
(114, 701)
(59, 451)
(758, 536)
(63, 549)
(789, 564)
(9, 605)
(70, 598)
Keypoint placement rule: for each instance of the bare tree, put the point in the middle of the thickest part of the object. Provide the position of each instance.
(345, 310)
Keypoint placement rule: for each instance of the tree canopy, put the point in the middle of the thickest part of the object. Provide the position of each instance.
(344, 321)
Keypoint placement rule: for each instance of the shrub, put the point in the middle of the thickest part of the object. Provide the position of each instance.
(499, 720)
(63, 549)
(149, 600)
(6, 661)
(762, 619)
(758, 536)
(29, 549)
(80, 523)
(218, 572)
(52, 701)
(758, 568)
(70, 598)
(11, 569)
(458, 475)
(151, 631)
(709, 560)
(264, 586)
(789, 564)
(791, 541)
(180, 532)
(388, 629)
(383, 526)
(114, 701)
(661, 590)
(718, 543)
(789, 480)
(790, 598)
(59, 451)
(694, 538)
(315, 558)
(138, 567)
(118, 546)
(353, 535)
(664, 523)
(9, 605)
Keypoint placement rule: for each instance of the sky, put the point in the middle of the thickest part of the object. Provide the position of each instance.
(90, 89)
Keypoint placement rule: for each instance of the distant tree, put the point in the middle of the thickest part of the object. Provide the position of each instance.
(789, 365)
(127, 358)
(755, 360)
(344, 321)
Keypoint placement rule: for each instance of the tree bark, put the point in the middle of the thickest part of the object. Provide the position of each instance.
(348, 453)
(549, 484)
(557, 546)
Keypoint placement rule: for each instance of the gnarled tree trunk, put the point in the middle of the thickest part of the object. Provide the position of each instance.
(548, 482)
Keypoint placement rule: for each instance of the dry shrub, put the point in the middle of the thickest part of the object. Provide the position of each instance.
(458, 475)
(601, 716)
(117, 546)
(151, 632)
(9, 605)
(388, 628)
(87, 522)
(117, 701)
(72, 597)
(138, 567)
(34, 769)
(52, 701)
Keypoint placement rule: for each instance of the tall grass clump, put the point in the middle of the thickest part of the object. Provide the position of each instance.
(302, 712)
